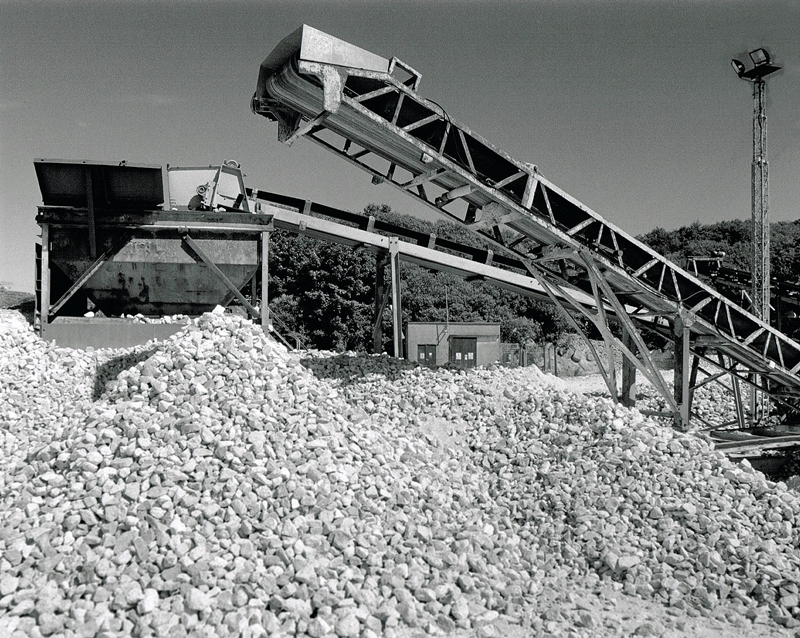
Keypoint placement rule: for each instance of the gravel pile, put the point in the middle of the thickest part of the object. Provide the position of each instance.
(222, 486)
(140, 318)
(713, 403)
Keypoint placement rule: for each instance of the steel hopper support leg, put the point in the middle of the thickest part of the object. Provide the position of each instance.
(201, 255)
(264, 282)
(397, 313)
(381, 299)
(90, 211)
(44, 290)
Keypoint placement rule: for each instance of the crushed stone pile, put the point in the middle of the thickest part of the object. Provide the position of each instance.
(713, 403)
(217, 485)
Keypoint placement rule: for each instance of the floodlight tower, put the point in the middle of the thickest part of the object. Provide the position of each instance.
(760, 290)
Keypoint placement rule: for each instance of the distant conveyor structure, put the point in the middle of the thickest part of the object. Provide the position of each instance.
(367, 109)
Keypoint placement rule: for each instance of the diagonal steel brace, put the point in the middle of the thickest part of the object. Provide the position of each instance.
(91, 270)
(645, 365)
(550, 288)
(220, 275)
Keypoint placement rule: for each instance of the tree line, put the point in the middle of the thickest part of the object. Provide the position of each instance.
(733, 238)
(324, 293)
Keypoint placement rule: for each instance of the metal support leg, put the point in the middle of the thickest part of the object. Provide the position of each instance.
(381, 299)
(628, 396)
(693, 376)
(90, 211)
(682, 370)
(737, 394)
(254, 283)
(265, 281)
(44, 295)
(397, 313)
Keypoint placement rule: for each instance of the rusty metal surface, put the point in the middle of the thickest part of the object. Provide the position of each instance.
(153, 275)
(96, 209)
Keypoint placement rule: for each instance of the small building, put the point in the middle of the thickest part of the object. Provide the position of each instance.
(463, 345)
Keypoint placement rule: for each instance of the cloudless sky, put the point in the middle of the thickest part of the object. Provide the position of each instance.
(630, 106)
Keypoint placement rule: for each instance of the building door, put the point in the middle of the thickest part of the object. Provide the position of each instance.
(463, 352)
(426, 354)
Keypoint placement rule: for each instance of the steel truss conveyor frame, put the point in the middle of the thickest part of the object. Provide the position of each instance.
(367, 110)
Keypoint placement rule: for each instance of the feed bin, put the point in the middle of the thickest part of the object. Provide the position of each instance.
(107, 238)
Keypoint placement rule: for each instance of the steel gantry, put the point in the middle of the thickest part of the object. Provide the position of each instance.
(367, 110)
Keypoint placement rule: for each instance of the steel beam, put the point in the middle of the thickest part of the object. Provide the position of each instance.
(682, 369)
(265, 319)
(44, 288)
(397, 311)
(90, 211)
(628, 396)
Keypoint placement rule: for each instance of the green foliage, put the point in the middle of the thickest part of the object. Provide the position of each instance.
(324, 293)
(734, 239)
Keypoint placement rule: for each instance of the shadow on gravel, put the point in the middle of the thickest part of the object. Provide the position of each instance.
(23, 303)
(350, 369)
(111, 369)
(27, 309)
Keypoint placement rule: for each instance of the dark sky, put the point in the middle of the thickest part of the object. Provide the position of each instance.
(631, 107)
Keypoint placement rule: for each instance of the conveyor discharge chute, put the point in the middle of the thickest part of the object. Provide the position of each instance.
(367, 110)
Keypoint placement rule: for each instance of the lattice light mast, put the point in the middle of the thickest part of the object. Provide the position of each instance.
(760, 290)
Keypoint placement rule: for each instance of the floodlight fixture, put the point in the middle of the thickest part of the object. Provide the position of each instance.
(759, 57)
(762, 66)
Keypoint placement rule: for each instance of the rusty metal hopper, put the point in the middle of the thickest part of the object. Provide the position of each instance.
(109, 240)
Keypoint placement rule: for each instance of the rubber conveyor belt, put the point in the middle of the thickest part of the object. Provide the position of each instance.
(367, 110)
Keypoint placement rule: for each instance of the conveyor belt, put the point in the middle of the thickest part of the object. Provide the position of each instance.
(367, 110)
